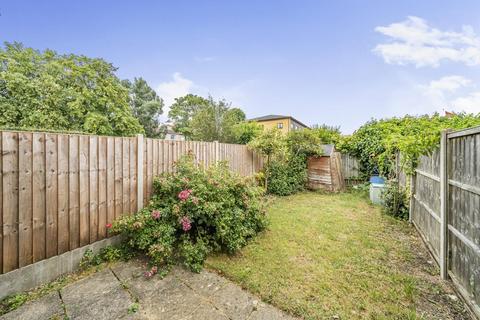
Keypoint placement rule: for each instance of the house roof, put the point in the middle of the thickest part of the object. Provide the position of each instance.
(276, 117)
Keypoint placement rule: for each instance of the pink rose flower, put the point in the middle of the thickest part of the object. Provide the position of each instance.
(186, 223)
(184, 194)
(108, 225)
(156, 214)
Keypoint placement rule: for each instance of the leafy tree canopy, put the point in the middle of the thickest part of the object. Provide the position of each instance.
(246, 131)
(146, 105)
(46, 90)
(304, 143)
(327, 134)
(182, 111)
(205, 119)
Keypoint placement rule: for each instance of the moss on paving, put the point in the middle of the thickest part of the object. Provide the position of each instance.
(329, 256)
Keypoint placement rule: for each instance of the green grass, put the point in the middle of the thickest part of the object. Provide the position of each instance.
(327, 256)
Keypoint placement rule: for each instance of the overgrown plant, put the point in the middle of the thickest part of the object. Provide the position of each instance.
(395, 201)
(193, 212)
(285, 170)
(377, 143)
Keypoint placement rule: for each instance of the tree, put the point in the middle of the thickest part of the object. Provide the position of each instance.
(182, 111)
(45, 90)
(246, 131)
(304, 143)
(268, 143)
(146, 106)
(205, 119)
(215, 121)
(327, 134)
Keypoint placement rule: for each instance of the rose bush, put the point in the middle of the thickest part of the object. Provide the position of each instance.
(193, 212)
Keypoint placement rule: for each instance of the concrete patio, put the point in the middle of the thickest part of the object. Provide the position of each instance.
(121, 292)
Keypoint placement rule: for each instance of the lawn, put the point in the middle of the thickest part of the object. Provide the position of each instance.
(336, 256)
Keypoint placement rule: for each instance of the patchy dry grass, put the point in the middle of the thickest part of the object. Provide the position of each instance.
(336, 256)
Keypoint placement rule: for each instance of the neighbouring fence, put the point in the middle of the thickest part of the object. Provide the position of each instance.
(445, 208)
(58, 191)
(350, 169)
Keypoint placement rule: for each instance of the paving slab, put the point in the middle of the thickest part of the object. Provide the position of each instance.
(166, 298)
(236, 303)
(181, 295)
(46, 308)
(205, 283)
(99, 296)
(129, 270)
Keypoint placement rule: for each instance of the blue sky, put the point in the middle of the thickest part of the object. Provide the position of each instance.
(334, 62)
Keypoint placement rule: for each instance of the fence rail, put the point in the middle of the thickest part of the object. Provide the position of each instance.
(58, 191)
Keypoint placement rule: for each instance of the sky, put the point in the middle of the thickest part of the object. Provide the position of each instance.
(338, 62)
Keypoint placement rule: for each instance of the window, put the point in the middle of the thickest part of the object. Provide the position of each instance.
(172, 137)
(280, 125)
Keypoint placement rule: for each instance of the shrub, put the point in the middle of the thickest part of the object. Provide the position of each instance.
(193, 212)
(287, 177)
(395, 201)
(285, 170)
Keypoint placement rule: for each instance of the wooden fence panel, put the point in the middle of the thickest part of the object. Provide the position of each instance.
(446, 211)
(463, 215)
(350, 169)
(59, 191)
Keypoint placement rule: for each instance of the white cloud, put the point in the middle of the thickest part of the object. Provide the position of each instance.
(449, 83)
(450, 93)
(178, 87)
(469, 103)
(438, 89)
(413, 41)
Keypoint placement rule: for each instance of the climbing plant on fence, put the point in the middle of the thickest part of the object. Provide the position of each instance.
(377, 142)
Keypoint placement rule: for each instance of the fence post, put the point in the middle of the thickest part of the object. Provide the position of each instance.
(413, 179)
(443, 206)
(139, 172)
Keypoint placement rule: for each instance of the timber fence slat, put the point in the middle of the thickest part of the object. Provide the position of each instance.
(93, 187)
(59, 191)
(38, 197)
(10, 200)
(84, 182)
(51, 192)
(25, 162)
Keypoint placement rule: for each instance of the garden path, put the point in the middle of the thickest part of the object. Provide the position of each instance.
(121, 292)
